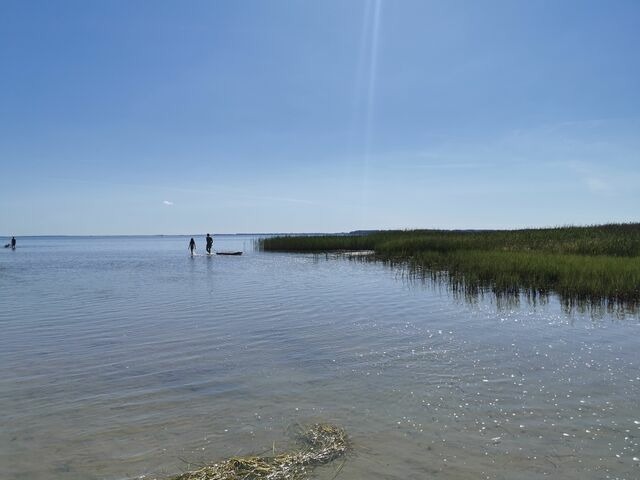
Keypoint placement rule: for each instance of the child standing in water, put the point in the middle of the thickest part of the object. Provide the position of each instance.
(192, 246)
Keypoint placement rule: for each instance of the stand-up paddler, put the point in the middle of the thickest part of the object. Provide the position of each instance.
(209, 243)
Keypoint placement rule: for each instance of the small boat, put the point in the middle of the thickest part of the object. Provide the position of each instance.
(228, 253)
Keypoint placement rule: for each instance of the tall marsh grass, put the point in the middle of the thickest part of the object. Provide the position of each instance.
(581, 264)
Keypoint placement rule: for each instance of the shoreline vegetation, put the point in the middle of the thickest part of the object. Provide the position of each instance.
(591, 266)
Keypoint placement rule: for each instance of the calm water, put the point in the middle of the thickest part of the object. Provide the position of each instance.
(123, 357)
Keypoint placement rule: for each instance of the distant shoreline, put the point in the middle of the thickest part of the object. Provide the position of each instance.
(174, 235)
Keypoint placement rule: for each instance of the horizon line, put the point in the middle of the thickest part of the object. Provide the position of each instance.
(547, 227)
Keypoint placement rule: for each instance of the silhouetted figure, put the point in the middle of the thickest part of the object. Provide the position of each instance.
(13, 243)
(209, 243)
(192, 246)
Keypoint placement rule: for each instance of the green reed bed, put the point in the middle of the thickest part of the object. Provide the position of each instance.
(576, 278)
(613, 240)
(582, 264)
(317, 244)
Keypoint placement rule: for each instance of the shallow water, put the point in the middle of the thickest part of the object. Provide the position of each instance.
(123, 357)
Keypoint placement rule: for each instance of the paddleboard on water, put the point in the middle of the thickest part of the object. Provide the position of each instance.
(228, 253)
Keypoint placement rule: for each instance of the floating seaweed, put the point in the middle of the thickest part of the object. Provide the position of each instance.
(319, 444)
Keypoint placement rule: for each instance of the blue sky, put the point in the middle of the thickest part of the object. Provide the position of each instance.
(146, 117)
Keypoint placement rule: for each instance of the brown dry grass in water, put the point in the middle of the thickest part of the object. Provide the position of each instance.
(319, 444)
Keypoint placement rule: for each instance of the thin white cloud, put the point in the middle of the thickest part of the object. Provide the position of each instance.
(455, 165)
(285, 199)
(225, 190)
(596, 185)
(601, 179)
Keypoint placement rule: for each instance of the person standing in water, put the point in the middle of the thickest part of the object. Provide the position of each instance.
(209, 243)
(13, 243)
(192, 245)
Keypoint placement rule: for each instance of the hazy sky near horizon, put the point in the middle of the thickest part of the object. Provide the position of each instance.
(147, 117)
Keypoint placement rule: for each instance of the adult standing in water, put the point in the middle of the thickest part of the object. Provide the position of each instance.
(192, 245)
(209, 243)
(13, 243)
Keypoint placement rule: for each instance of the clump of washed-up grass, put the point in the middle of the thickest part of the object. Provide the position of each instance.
(319, 444)
(581, 264)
